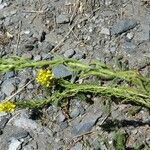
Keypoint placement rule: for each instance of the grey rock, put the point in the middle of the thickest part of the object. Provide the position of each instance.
(86, 124)
(26, 124)
(143, 35)
(69, 53)
(3, 122)
(61, 71)
(105, 31)
(2, 96)
(129, 47)
(37, 57)
(83, 128)
(62, 18)
(46, 47)
(75, 112)
(98, 145)
(15, 144)
(129, 36)
(61, 117)
(46, 56)
(123, 26)
(30, 86)
(8, 87)
(19, 135)
(79, 56)
(27, 56)
(78, 146)
(10, 74)
(63, 125)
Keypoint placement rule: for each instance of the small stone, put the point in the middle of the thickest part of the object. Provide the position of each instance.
(130, 36)
(105, 31)
(19, 135)
(61, 71)
(3, 122)
(108, 2)
(26, 123)
(61, 117)
(86, 124)
(27, 56)
(129, 47)
(82, 128)
(37, 58)
(8, 87)
(62, 19)
(79, 56)
(63, 125)
(75, 112)
(9, 75)
(123, 26)
(47, 57)
(3, 6)
(46, 47)
(143, 35)
(15, 144)
(69, 53)
(30, 86)
(78, 146)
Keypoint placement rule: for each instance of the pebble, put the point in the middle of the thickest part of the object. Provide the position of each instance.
(27, 56)
(86, 124)
(61, 117)
(105, 31)
(15, 144)
(69, 53)
(78, 146)
(130, 36)
(143, 35)
(75, 112)
(3, 122)
(62, 19)
(9, 75)
(61, 71)
(129, 47)
(19, 135)
(46, 56)
(63, 125)
(46, 47)
(37, 57)
(79, 56)
(26, 124)
(123, 26)
(8, 87)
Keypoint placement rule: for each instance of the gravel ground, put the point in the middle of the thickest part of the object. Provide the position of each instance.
(112, 31)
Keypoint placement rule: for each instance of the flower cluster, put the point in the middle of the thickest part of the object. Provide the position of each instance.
(45, 77)
(7, 107)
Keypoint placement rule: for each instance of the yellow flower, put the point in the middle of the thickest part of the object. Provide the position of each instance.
(45, 77)
(7, 106)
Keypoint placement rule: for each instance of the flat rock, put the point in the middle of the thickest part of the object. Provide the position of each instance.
(62, 19)
(19, 135)
(15, 144)
(86, 124)
(8, 87)
(123, 26)
(26, 124)
(69, 53)
(78, 146)
(61, 71)
(3, 122)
